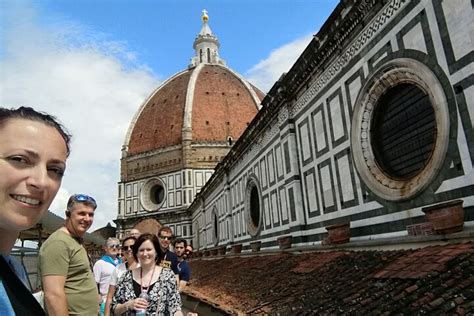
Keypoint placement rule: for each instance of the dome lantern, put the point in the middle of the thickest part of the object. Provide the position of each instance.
(206, 45)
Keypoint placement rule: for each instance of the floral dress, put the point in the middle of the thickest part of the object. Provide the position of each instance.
(164, 298)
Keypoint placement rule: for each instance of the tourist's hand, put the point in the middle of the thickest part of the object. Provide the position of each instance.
(139, 304)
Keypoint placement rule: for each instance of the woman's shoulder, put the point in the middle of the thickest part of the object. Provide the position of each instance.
(167, 274)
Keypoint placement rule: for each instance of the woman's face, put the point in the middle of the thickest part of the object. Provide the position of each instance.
(32, 162)
(146, 253)
(127, 249)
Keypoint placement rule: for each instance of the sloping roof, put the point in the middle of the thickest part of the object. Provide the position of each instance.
(434, 280)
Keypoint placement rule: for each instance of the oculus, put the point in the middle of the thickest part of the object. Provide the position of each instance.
(400, 129)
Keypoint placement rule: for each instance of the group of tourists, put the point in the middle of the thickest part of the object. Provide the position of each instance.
(34, 148)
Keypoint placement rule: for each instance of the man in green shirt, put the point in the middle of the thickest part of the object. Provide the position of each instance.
(68, 282)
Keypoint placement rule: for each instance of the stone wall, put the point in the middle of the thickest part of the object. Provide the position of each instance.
(318, 152)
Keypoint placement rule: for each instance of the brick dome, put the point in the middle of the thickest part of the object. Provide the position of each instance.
(210, 100)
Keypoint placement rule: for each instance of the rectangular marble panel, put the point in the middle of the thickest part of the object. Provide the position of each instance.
(274, 205)
(337, 122)
(283, 205)
(305, 140)
(327, 188)
(179, 200)
(199, 179)
(311, 192)
(171, 182)
(461, 35)
(345, 179)
(279, 161)
(266, 208)
(271, 168)
(171, 199)
(178, 181)
(263, 170)
(320, 130)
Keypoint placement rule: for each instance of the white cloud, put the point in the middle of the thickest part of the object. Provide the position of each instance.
(93, 86)
(268, 71)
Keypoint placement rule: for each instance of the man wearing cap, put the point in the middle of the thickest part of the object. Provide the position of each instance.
(104, 267)
(68, 283)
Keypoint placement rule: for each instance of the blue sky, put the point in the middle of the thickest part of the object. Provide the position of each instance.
(93, 62)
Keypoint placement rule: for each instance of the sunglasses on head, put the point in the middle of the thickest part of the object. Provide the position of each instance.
(165, 237)
(126, 248)
(83, 198)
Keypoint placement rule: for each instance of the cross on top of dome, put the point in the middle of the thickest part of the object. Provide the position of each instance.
(206, 45)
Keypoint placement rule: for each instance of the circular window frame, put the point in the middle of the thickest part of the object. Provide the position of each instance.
(387, 76)
(145, 195)
(252, 182)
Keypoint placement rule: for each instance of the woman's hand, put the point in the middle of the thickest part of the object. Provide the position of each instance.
(137, 304)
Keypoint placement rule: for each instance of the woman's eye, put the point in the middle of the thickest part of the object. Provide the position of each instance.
(18, 159)
(57, 171)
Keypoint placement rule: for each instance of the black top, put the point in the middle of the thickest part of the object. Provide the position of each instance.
(137, 288)
(22, 301)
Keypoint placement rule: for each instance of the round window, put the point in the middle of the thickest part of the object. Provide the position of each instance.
(253, 205)
(403, 131)
(400, 129)
(152, 194)
(157, 193)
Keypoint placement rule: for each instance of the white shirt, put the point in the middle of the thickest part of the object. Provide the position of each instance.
(118, 272)
(102, 273)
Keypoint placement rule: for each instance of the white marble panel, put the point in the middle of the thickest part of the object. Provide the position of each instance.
(354, 88)
(279, 161)
(171, 182)
(178, 181)
(305, 141)
(266, 211)
(345, 180)
(199, 179)
(271, 169)
(414, 39)
(320, 130)
(461, 34)
(284, 206)
(311, 192)
(171, 199)
(274, 203)
(263, 169)
(336, 118)
(327, 187)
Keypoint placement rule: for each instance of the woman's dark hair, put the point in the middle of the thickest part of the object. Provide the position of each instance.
(127, 239)
(28, 113)
(141, 239)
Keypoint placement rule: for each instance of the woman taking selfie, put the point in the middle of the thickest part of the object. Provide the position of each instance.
(150, 288)
(33, 152)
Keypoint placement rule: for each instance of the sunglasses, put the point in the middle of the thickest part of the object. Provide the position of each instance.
(165, 237)
(114, 246)
(126, 248)
(82, 198)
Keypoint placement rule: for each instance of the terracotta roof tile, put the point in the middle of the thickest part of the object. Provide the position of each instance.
(342, 282)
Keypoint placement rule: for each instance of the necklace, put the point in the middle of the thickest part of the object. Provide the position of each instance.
(141, 279)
